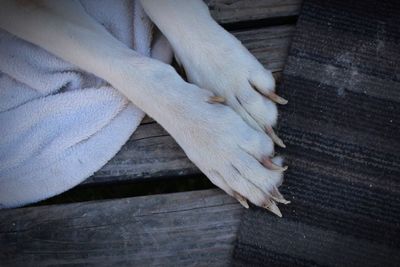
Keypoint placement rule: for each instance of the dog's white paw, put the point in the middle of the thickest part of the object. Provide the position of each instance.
(233, 155)
(228, 144)
(224, 66)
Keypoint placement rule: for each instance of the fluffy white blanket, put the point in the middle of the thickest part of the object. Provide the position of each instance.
(59, 124)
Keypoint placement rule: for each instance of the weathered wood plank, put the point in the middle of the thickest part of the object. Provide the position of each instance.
(228, 11)
(195, 228)
(151, 152)
(269, 45)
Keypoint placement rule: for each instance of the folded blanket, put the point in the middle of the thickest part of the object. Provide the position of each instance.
(59, 124)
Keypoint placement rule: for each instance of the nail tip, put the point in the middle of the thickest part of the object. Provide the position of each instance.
(241, 200)
(282, 145)
(281, 200)
(275, 138)
(278, 213)
(272, 207)
(244, 204)
(277, 99)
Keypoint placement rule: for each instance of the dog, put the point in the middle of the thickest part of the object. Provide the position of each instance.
(223, 117)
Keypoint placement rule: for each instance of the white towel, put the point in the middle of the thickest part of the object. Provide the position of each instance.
(59, 124)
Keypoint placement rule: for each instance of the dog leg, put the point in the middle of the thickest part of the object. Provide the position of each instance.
(232, 154)
(215, 60)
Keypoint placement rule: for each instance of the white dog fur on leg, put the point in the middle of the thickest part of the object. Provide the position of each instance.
(215, 60)
(233, 152)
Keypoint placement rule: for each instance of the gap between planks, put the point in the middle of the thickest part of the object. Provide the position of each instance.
(232, 11)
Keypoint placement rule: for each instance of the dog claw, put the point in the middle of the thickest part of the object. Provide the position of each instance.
(277, 99)
(267, 162)
(216, 99)
(272, 207)
(274, 137)
(241, 200)
(277, 196)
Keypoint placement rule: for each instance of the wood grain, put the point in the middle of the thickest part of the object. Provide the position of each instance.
(151, 152)
(181, 229)
(229, 11)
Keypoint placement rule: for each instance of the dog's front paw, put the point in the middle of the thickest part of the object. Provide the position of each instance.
(234, 156)
(224, 66)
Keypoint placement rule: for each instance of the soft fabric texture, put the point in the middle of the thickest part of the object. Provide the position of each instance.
(342, 131)
(58, 123)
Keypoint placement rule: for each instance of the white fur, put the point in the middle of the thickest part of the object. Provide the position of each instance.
(213, 136)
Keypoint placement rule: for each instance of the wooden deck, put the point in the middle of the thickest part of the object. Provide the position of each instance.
(180, 229)
(193, 228)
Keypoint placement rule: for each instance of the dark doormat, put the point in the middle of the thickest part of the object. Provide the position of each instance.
(342, 129)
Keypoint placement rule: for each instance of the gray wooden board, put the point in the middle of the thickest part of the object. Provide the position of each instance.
(228, 11)
(195, 228)
(151, 152)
